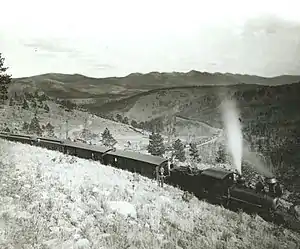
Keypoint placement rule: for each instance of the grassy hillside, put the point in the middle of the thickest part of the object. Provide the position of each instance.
(74, 122)
(50, 200)
(189, 102)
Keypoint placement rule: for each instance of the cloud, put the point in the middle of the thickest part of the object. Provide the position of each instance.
(272, 44)
(52, 46)
(102, 66)
(271, 25)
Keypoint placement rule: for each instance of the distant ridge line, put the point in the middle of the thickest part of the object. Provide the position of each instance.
(157, 73)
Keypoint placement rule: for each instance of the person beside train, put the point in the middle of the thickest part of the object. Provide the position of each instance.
(259, 186)
(163, 171)
(157, 169)
(160, 175)
(275, 190)
(278, 190)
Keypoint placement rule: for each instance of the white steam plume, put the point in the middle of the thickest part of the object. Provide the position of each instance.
(257, 162)
(233, 132)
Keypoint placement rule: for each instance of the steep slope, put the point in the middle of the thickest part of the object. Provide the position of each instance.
(52, 200)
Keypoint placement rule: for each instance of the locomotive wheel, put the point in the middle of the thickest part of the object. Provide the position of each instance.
(278, 219)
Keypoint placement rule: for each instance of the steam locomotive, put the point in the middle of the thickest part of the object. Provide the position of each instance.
(220, 186)
(216, 185)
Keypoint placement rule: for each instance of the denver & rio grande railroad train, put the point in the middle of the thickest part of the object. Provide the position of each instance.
(216, 185)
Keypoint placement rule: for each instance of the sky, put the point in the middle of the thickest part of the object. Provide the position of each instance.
(101, 38)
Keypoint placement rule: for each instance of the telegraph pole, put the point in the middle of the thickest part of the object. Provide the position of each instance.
(67, 129)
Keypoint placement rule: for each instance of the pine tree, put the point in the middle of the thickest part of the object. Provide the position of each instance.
(36, 94)
(119, 117)
(50, 130)
(11, 102)
(86, 134)
(43, 97)
(107, 138)
(40, 104)
(221, 155)
(194, 151)
(28, 96)
(25, 126)
(179, 152)
(25, 105)
(33, 105)
(134, 124)
(125, 120)
(156, 145)
(35, 127)
(5, 80)
(46, 108)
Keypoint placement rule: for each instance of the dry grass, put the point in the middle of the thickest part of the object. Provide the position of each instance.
(50, 200)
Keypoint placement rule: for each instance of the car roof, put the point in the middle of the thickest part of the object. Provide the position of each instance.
(95, 148)
(52, 139)
(217, 173)
(156, 160)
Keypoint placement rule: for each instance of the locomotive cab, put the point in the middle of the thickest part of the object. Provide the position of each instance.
(229, 188)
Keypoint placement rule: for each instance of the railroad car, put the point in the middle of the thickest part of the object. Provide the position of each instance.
(85, 151)
(14, 138)
(14, 135)
(143, 164)
(51, 145)
(51, 139)
(4, 133)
